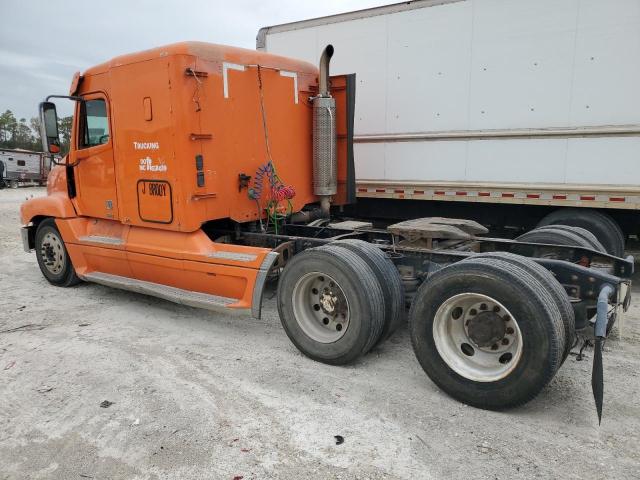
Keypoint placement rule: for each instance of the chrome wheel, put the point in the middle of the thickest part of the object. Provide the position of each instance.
(52, 253)
(320, 307)
(477, 337)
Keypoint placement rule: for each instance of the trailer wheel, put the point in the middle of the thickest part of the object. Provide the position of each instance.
(53, 259)
(487, 333)
(546, 278)
(554, 236)
(583, 233)
(388, 278)
(13, 183)
(605, 228)
(331, 305)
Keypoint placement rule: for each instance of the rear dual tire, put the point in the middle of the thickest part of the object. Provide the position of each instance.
(388, 278)
(331, 305)
(546, 278)
(474, 369)
(338, 301)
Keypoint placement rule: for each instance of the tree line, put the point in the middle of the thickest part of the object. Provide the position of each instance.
(20, 133)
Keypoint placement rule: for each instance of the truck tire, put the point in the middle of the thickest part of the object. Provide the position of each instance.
(546, 278)
(554, 236)
(388, 278)
(467, 358)
(53, 259)
(585, 234)
(331, 305)
(605, 228)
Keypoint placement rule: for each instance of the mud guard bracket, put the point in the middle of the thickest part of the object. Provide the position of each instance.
(261, 280)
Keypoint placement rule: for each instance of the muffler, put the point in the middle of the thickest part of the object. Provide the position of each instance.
(325, 164)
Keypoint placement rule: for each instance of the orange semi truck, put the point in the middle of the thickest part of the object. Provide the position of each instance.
(199, 172)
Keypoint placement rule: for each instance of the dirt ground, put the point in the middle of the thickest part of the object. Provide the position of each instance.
(198, 395)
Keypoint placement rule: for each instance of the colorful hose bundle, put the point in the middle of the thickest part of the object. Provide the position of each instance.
(279, 192)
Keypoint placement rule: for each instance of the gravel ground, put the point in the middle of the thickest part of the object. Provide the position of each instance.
(202, 395)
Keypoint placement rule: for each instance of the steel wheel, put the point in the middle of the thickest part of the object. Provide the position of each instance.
(52, 253)
(331, 304)
(477, 337)
(320, 307)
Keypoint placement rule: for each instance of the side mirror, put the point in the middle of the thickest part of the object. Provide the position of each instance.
(49, 128)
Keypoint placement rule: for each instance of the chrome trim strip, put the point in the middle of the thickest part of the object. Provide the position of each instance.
(101, 239)
(238, 257)
(173, 294)
(571, 132)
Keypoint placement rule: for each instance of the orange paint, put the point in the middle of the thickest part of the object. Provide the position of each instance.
(183, 122)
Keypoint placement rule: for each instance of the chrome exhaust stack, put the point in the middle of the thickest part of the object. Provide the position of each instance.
(325, 165)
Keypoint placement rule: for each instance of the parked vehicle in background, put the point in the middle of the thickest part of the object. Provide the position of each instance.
(514, 114)
(21, 167)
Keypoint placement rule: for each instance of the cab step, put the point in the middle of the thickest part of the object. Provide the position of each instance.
(173, 294)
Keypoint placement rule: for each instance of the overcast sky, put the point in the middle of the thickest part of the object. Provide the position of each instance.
(43, 42)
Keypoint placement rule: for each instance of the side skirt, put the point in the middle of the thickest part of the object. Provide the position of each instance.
(173, 294)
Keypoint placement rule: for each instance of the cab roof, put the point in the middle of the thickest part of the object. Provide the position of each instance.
(210, 52)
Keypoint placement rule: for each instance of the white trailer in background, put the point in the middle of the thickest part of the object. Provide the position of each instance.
(498, 110)
(23, 167)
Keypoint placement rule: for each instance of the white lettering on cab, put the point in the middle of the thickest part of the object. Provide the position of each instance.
(147, 165)
(146, 145)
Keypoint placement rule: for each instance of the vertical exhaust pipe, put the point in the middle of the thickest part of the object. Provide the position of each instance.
(323, 81)
(325, 166)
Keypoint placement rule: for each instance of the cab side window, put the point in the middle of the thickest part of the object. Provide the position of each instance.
(94, 123)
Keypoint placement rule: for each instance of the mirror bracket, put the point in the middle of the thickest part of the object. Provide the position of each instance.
(68, 97)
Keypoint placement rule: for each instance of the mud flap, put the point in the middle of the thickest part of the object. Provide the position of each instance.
(600, 333)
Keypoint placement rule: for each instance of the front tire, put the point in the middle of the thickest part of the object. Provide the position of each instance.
(487, 333)
(53, 259)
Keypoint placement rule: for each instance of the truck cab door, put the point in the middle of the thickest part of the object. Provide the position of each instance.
(92, 155)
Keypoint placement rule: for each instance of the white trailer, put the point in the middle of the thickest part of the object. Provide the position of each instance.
(23, 166)
(493, 109)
